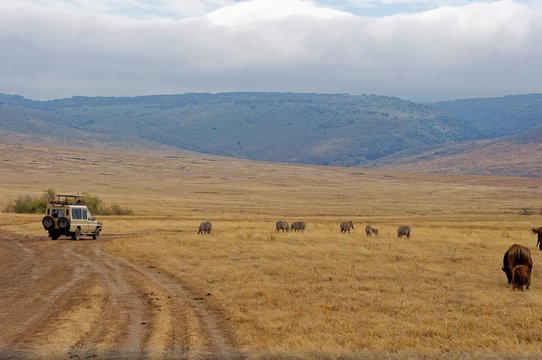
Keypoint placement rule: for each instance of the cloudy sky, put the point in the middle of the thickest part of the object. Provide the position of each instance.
(422, 50)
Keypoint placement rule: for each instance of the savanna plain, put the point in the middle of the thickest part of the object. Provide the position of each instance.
(314, 294)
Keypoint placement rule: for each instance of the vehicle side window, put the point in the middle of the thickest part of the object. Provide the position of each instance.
(76, 214)
(84, 214)
(89, 215)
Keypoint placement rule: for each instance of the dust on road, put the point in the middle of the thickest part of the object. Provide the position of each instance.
(71, 299)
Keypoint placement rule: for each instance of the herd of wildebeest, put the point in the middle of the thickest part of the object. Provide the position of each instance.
(517, 261)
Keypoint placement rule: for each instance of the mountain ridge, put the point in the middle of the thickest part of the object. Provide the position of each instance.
(328, 129)
(499, 116)
(314, 128)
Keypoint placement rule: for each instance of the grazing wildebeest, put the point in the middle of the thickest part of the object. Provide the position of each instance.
(514, 256)
(298, 226)
(346, 226)
(521, 277)
(403, 230)
(538, 231)
(282, 225)
(369, 230)
(205, 227)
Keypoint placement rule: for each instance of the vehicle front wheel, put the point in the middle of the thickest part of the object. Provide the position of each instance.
(96, 234)
(77, 234)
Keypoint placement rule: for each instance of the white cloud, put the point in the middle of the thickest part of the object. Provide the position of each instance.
(175, 9)
(251, 12)
(419, 4)
(61, 49)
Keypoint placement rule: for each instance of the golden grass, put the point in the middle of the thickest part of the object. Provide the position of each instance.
(71, 325)
(321, 293)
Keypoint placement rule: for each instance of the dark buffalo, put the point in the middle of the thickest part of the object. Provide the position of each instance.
(538, 231)
(514, 256)
(521, 278)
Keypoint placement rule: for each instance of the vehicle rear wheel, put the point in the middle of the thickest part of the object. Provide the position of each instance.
(63, 223)
(48, 222)
(96, 234)
(77, 234)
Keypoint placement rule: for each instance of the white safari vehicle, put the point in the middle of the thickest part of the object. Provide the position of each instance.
(68, 215)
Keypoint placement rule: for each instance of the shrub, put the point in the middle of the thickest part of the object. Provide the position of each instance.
(116, 209)
(94, 204)
(50, 194)
(25, 204)
(37, 205)
(97, 207)
(28, 205)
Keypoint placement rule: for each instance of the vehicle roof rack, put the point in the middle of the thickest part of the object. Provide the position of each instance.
(69, 199)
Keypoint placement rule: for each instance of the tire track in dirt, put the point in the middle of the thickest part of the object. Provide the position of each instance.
(119, 330)
(129, 311)
(204, 328)
(34, 288)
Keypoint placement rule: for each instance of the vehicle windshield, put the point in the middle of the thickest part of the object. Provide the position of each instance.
(56, 213)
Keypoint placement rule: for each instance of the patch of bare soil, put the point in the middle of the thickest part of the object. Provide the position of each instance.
(70, 299)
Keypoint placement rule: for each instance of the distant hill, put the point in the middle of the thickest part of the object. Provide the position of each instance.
(511, 127)
(497, 117)
(329, 129)
(518, 155)
(30, 121)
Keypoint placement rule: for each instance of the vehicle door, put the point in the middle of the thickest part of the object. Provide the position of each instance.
(85, 227)
(91, 222)
(77, 219)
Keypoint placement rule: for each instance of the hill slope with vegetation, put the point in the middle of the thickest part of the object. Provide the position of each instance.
(496, 136)
(328, 129)
(511, 143)
(497, 117)
(518, 155)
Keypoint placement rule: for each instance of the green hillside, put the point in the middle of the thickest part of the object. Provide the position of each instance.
(334, 129)
(497, 117)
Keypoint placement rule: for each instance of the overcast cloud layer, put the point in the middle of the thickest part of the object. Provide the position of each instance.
(456, 49)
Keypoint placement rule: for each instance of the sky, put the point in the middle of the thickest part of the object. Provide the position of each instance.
(420, 50)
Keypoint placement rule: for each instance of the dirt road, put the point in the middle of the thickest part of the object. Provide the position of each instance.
(70, 299)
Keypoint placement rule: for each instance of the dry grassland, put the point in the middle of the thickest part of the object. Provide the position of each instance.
(483, 157)
(317, 294)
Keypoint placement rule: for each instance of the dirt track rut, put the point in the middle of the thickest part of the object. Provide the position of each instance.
(71, 299)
